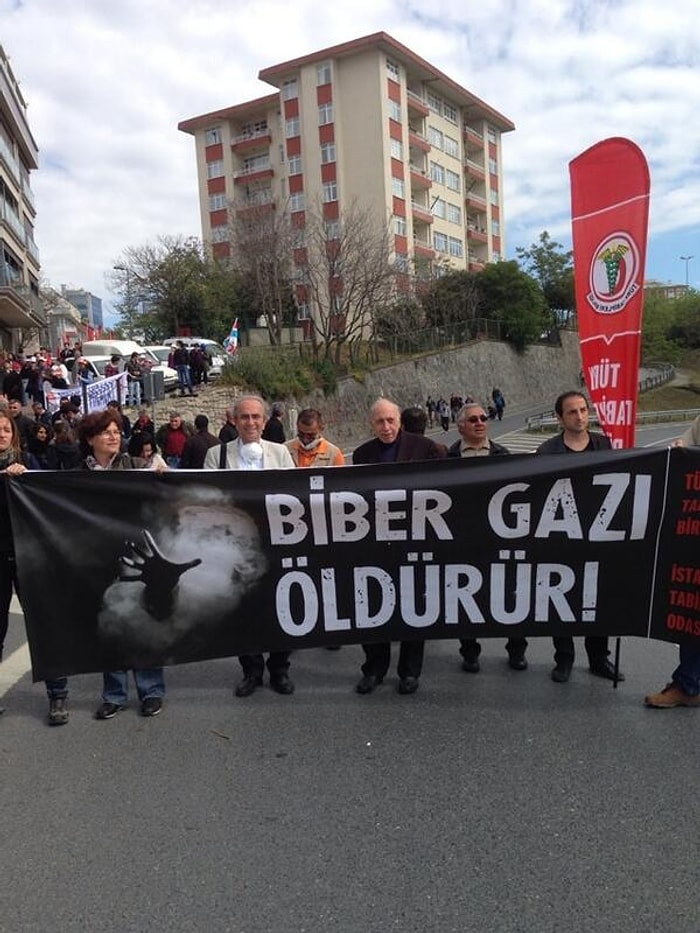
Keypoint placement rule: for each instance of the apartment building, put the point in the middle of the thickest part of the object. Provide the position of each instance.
(370, 122)
(21, 313)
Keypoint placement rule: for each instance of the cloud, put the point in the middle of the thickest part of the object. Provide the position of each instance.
(107, 84)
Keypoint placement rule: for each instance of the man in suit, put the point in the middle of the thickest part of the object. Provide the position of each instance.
(472, 424)
(392, 445)
(250, 452)
(571, 409)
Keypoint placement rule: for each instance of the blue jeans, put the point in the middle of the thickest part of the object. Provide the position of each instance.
(184, 379)
(687, 674)
(133, 396)
(149, 683)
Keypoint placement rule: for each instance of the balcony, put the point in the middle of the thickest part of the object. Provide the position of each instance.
(420, 178)
(28, 195)
(20, 307)
(8, 216)
(8, 157)
(251, 140)
(418, 140)
(477, 234)
(475, 200)
(33, 250)
(474, 170)
(423, 249)
(473, 139)
(416, 103)
(253, 173)
(421, 213)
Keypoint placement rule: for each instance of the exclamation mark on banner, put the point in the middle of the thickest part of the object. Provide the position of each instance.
(590, 591)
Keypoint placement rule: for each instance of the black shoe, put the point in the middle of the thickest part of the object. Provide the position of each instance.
(517, 661)
(281, 683)
(58, 714)
(408, 685)
(151, 706)
(606, 669)
(368, 683)
(471, 665)
(108, 710)
(561, 673)
(247, 686)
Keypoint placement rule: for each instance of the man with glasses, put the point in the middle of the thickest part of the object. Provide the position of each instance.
(571, 409)
(472, 424)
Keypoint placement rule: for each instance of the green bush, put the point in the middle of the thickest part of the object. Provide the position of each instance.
(273, 373)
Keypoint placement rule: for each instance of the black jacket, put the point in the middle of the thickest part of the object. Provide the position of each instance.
(495, 450)
(556, 445)
(410, 447)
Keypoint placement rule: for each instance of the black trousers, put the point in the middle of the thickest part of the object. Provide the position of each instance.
(470, 647)
(254, 664)
(377, 658)
(596, 649)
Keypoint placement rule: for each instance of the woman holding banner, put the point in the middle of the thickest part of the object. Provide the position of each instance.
(13, 462)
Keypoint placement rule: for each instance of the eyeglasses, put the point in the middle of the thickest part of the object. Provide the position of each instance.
(473, 419)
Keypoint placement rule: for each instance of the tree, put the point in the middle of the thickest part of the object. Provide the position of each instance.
(263, 242)
(345, 273)
(515, 299)
(161, 287)
(452, 298)
(552, 267)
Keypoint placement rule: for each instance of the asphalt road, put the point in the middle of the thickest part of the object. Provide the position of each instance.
(492, 802)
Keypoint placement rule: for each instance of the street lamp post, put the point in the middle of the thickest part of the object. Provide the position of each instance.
(686, 260)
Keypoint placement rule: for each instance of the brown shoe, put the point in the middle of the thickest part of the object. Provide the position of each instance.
(670, 696)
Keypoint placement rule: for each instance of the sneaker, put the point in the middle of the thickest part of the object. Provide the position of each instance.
(671, 696)
(108, 710)
(58, 714)
(151, 706)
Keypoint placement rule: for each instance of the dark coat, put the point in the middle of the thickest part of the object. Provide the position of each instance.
(556, 445)
(195, 450)
(495, 450)
(411, 447)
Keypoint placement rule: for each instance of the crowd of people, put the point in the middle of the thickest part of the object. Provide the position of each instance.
(252, 440)
(442, 411)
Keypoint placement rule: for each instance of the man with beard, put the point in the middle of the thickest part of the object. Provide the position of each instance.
(310, 447)
(250, 452)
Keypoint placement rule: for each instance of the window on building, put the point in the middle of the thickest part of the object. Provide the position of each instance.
(294, 165)
(493, 166)
(332, 228)
(451, 146)
(440, 242)
(435, 137)
(297, 201)
(327, 153)
(495, 228)
(291, 127)
(254, 128)
(449, 112)
(491, 132)
(325, 114)
(453, 180)
(303, 312)
(493, 196)
(215, 169)
(393, 69)
(434, 102)
(217, 202)
(219, 234)
(255, 164)
(212, 136)
(324, 73)
(395, 110)
(330, 191)
(437, 173)
(454, 213)
(396, 149)
(439, 208)
(400, 226)
(496, 256)
(398, 187)
(456, 247)
(290, 89)
(401, 262)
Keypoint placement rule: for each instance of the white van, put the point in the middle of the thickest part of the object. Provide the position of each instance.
(124, 348)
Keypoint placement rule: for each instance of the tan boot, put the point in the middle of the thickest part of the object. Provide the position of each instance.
(671, 696)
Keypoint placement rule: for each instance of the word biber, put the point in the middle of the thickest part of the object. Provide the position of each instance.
(420, 589)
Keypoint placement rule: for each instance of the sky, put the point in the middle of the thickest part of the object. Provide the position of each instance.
(107, 82)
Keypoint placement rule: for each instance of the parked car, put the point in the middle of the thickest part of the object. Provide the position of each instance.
(218, 354)
(93, 349)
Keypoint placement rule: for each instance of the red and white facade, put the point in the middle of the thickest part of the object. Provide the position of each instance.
(370, 122)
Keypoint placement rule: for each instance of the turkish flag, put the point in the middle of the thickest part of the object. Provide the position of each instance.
(609, 217)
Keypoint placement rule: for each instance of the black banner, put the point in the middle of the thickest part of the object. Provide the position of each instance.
(134, 569)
